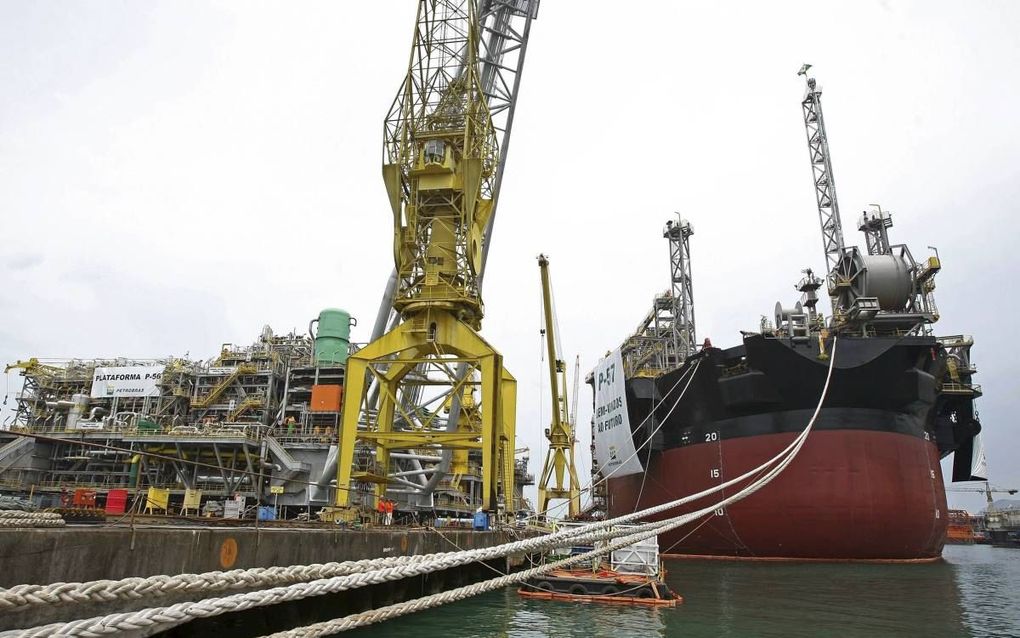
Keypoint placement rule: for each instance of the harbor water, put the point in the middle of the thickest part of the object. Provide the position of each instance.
(972, 592)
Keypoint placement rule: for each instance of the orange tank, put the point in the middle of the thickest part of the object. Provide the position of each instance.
(326, 398)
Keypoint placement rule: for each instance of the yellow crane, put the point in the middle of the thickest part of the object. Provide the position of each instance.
(440, 163)
(986, 489)
(559, 460)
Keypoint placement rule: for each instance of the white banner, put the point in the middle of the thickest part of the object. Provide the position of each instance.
(978, 461)
(614, 446)
(134, 381)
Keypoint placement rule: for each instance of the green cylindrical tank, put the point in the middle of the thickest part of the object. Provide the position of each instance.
(333, 337)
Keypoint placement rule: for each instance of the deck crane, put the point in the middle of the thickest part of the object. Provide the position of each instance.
(882, 290)
(875, 224)
(825, 185)
(559, 460)
(505, 28)
(504, 32)
(441, 164)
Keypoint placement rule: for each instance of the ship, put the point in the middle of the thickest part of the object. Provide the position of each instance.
(961, 529)
(867, 484)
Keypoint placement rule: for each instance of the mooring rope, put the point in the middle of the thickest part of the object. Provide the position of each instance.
(23, 596)
(22, 519)
(380, 614)
(161, 618)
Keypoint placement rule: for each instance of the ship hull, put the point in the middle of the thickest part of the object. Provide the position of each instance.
(851, 494)
(867, 484)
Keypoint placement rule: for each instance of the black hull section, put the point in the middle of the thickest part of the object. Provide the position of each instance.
(871, 463)
(771, 385)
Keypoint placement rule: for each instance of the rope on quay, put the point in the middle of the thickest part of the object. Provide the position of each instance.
(165, 617)
(185, 611)
(23, 596)
(22, 519)
(346, 623)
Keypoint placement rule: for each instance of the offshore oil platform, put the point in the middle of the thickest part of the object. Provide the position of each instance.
(262, 419)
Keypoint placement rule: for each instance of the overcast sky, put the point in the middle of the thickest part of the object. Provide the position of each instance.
(174, 175)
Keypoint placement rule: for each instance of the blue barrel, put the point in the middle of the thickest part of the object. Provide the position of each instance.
(481, 521)
(267, 513)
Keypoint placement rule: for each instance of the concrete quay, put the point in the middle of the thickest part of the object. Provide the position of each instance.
(83, 553)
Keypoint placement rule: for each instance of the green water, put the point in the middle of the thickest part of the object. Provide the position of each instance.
(975, 591)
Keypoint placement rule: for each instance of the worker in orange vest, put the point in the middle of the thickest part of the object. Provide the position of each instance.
(389, 512)
(381, 508)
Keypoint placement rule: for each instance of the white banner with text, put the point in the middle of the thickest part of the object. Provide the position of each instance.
(614, 446)
(132, 381)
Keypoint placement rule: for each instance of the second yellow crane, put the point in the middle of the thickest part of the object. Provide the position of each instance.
(559, 460)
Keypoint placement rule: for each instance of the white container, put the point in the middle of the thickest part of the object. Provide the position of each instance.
(569, 550)
(233, 507)
(640, 558)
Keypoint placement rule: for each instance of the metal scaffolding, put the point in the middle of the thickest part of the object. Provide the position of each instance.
(683, 341)
(825, 185)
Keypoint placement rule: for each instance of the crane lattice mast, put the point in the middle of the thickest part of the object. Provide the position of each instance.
(559, 460)
(440, 163)
(504, 31)
(825, 185)
(682, 339)
(576, 394)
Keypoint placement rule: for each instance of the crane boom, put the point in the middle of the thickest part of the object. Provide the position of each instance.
(825, 185)
(985, 489)
(559, 460)
(505, 29)
(577, 392)
(440, 164)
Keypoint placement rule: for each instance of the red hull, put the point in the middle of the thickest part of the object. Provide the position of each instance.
(849, 494)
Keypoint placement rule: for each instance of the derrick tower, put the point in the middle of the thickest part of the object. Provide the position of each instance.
(682, 339)
(559, 460)
(441, 169)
